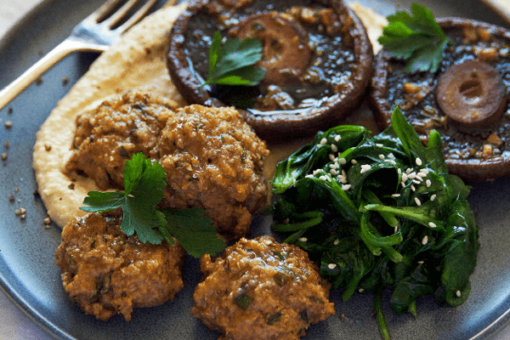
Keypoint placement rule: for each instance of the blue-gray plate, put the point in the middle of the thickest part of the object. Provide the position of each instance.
(28, 274)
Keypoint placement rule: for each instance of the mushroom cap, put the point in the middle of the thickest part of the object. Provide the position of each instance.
(282, 124)
(471, 169)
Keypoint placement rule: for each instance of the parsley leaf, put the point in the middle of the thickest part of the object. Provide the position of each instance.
(144, 182)
(416, 38)
(232, 63)
(194, 231)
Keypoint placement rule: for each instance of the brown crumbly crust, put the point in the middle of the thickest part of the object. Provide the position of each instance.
(286, 292)
(107, 273)
(113, 132)
(214, 161)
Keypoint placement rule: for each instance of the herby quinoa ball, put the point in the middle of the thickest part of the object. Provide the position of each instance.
(260, 289)
(107, 273)
(214, 161)
(113, 132)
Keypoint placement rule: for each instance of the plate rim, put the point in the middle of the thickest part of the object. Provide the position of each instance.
(54, 331)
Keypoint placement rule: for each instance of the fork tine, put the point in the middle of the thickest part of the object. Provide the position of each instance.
(105, 10)
(120, 13)
(137, 16)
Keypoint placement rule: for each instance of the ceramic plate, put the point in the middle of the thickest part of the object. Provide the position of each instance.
(28, 274)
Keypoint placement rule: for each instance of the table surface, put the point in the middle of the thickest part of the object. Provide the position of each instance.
(14, 324)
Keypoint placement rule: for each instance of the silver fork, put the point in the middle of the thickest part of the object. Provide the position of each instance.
(94, 34)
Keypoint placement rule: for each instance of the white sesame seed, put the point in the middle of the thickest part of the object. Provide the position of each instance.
(342, 161)
(302, 239)
(421, 262)
(389, 161)
(324, 178)
(342, 179)
(353, 161)
(399, 171)
(458, 293)
(324, 141)
(422, 173)
(417, 200)
(361, 290)
(337, 138)
(409, 170)
(418, 162)
(415, 181)
(381, 156)
(346, 187)
(429, 183)
(319, 146)
(315, 172)
(412, 175)
(425, 171)
(433, 197)
(365, 168)
(331, 157)
(404, 178)
(395, 195)
(334, 148)
(425, 240)
(392, 156)
(333, 172)
(336, 242)
(379, 145)
(393, 162)
(395, 229)
(419, 178)
(432, 225)
(328, 178)
(309, 176)
(413, 188)
(332, 265)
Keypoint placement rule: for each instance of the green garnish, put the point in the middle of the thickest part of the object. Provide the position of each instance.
(280, 278)
(390, 214)
(243, 301)
(144, 182)
(417, 39)
(232, 63)
(274, 318)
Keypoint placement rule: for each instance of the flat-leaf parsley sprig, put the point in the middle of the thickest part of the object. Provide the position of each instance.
(418, 39)
(144, 182)
(233, 62)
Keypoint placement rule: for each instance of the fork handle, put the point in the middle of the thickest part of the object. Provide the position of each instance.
(65, 48)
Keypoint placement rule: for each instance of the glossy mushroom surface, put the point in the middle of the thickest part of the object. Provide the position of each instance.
(316, 54)
(472, 94)
(465, 100)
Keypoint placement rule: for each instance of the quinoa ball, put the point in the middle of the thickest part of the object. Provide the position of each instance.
(107, 272)
(113, 132)
(260, 289)
(214, 161)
